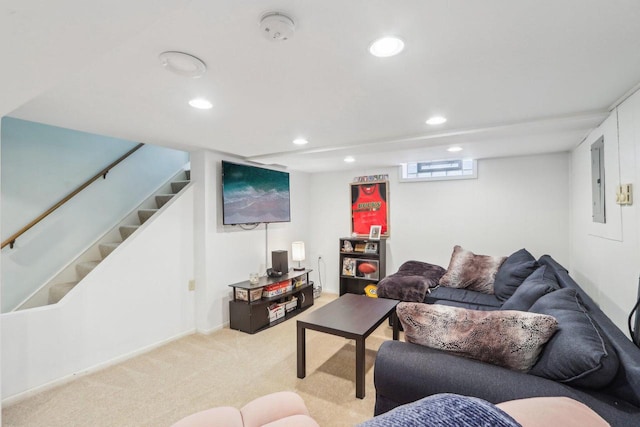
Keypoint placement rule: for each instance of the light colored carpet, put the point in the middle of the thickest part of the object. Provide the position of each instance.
(226, 368)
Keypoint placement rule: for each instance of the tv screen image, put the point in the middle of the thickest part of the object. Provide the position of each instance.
(252, 194)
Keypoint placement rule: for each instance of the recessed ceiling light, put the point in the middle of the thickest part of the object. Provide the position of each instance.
(200, 103)
(454, 149)
(349, 159)
(436, 120)
(183, 64)
(300, 141)
(386, 46)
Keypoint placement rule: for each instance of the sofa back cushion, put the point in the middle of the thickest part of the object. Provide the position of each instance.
(626, 384)
(533, 287)
(512, 339)
(578, 354)
(471, 271)
(513, 272)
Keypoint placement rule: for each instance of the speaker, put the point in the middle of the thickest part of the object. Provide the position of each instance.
(280, 261)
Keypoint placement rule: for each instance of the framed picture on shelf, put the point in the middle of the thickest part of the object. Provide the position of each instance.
(374, 232)
(360, 247)
(348, 267)
(369, 206)
(367, 269)
(371, 248)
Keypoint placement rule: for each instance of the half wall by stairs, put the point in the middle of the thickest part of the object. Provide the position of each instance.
(136, 299)
(53, 291)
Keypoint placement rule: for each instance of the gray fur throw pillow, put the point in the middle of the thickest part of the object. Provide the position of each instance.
(512, 339)
(471, 271)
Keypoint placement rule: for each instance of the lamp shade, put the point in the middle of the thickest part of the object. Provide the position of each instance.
(297, 251)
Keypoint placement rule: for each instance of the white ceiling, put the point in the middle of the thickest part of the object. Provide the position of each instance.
(513, 77)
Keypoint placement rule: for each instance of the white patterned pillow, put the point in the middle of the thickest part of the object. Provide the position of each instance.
(470, 271)
(508, 338)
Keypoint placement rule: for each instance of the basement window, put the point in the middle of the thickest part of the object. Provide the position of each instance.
(438, 170)
(597, 180)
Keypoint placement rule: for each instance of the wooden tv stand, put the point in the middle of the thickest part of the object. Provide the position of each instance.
(251, 316)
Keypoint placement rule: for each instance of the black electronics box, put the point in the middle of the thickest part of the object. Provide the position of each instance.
(280, 261)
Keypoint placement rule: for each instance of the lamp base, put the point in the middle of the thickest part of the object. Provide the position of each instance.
(299, 268)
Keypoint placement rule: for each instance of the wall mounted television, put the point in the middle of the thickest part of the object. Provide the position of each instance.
(251, 194)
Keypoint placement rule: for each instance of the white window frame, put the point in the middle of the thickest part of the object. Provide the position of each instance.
(403, 174)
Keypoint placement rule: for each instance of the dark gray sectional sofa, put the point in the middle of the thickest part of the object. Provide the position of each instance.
(609, 384)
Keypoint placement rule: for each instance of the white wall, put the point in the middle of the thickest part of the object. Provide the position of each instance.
(605, 258)
(228, 254)
(515, 203)
(136, 299)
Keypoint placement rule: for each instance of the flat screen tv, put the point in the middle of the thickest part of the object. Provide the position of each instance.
(252, 195)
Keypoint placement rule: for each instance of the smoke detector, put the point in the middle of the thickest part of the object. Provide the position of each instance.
(276, 27)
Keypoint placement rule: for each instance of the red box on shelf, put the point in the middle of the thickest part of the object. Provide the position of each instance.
(277, 289)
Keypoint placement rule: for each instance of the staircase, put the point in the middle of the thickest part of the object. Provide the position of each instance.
(83, 268)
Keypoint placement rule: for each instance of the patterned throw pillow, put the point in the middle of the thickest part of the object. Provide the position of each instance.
(512, 339)
(471, 271)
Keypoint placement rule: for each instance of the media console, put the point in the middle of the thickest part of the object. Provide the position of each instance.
(270, 301)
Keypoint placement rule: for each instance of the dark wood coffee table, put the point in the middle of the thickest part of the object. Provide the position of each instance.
(350, 316)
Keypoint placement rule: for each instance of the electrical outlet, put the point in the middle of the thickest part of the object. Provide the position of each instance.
(192, 285)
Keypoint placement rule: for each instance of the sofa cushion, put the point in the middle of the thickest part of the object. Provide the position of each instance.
(512, 339)
(471, 271)
(578, 354)
(513, 271)
(464, 296)
(534, 286)
(411, 282)
(467, 305)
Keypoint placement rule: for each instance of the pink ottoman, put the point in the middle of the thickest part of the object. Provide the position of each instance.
(282, 409)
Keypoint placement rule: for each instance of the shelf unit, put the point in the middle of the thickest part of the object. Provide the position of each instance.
(253, 316)
(354, 276)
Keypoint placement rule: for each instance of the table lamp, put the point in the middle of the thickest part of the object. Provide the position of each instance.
(297, 254)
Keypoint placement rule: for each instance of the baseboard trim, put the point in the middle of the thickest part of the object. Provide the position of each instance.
(100, 366)
(212, 330)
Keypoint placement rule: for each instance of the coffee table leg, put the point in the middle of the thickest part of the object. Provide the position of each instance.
(396, 325)
(360, 355)
(302, 359)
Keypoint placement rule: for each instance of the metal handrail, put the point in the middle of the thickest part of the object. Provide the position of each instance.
(103, 173)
